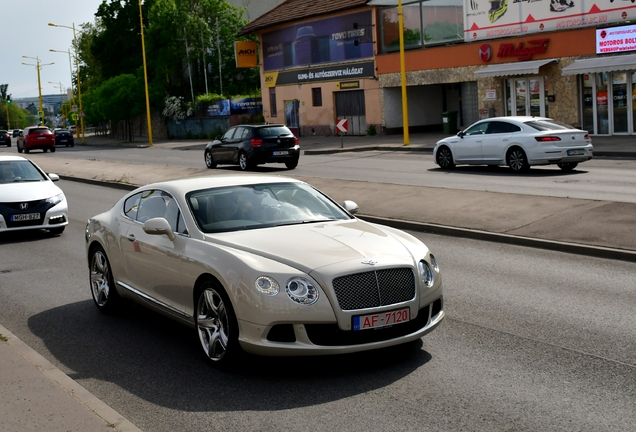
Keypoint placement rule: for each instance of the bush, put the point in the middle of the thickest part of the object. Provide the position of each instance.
(188, 135)
(371, 130)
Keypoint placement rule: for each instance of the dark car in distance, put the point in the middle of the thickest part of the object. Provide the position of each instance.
(63, 137)
(34, 138)
(5, 138)
(251, 145)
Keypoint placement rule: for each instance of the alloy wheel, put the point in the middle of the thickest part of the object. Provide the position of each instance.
(517, 160)
(243, 161)
(445, 158)
(213, 324)
(100, 279)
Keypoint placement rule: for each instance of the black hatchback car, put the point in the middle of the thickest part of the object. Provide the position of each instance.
(63, 137)
(5, 138)
(251, 145)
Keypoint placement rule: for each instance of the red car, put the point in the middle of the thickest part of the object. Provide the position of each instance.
(36, 137)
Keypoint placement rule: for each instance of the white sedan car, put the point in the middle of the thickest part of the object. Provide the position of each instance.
(518, 142)
(28, 197)
(263, 264)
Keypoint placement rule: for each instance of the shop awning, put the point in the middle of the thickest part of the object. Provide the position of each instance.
(520, 68)
(601, 64)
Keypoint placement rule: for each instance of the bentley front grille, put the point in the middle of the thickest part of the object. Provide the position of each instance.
(375, 288)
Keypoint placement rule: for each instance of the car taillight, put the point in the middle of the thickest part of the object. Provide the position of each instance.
(547, 138)
(257, 142)
(296, 142)
(587, 136)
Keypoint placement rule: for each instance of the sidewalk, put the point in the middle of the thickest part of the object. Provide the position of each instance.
(37, 396)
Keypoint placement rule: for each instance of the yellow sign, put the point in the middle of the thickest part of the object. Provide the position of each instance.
(245, 54)
(348, 85)
(270, 79)
(74, 116)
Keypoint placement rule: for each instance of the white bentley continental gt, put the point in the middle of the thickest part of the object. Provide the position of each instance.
(263, 264)
(518, 142)
(28, 198)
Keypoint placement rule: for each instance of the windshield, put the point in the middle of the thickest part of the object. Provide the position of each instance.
(261, 206)
(19, 171)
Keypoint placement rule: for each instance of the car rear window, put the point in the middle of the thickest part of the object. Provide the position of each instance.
(273, 131)
(548, 125)
(39, 130)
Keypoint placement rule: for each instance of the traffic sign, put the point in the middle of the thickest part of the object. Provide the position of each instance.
(40, 114)
(342, 125)
(74, 116)
(74, 108)
(82, 114)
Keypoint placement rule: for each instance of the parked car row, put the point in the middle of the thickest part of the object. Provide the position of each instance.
(38, 138)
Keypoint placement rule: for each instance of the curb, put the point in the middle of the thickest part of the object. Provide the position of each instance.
(553, 245)
(111, 417)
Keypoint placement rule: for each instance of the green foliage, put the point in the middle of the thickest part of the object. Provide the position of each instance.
(371, 131)
(206, 99)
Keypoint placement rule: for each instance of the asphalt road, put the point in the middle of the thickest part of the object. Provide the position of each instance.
(533, 340)
(598, 179)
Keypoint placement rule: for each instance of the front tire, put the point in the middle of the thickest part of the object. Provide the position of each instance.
(103, 289)
(444, 158)
(567, 166)
(209, 160)
(517, 160)
(216, 325)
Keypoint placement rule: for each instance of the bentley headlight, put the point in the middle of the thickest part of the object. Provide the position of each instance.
(302, 291)
(266, 285)
(426, 273)
(434, 263)
(56, 199)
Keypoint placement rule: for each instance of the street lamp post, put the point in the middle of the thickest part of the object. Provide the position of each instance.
(70, 66)
(79, 87)
(405, 106)
(38, 66)
(62, 89)
(143, 50)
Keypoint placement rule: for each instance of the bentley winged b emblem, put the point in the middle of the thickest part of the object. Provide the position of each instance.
(369, 262)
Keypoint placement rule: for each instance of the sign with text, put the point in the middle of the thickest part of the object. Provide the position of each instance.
(335, 39)
(616, 39)
(246, 106)
(245, 54)
(496, 19)
(328, 73)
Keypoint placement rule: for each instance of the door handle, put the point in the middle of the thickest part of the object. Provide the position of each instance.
(131, 237)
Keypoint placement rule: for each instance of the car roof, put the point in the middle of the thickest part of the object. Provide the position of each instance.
(522, 119)
(183, 186)
(4, 158)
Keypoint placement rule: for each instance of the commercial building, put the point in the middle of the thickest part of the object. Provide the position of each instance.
(570, 60)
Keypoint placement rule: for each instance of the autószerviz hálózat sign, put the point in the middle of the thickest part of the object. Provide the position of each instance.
(331, 73)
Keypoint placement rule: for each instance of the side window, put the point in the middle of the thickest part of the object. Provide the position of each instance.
(509, 127)
(131, 205)
(477, 129)
(228, 134)
(151, 205)
(246, 133)
(498, 127)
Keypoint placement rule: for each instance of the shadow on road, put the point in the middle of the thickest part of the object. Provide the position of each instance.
(160, 361)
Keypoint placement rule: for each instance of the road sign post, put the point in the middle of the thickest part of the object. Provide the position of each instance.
(342, 126)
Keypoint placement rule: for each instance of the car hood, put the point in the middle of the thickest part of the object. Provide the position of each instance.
(28, 191)
(309, 247)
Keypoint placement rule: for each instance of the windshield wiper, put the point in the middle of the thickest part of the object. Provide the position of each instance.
(304, 222)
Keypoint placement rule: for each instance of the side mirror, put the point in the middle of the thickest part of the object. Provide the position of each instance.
(158, 226)
(461, 134)
(53, 177)
(350, 206)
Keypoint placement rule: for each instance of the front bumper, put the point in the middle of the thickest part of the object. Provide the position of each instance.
(325, 339)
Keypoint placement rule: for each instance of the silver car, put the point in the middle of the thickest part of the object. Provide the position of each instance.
(518, 142)
(263, 264)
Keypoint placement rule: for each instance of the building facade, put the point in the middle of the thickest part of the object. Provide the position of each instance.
(572, 61)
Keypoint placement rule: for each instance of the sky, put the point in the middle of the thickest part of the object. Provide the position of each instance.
(25, 32)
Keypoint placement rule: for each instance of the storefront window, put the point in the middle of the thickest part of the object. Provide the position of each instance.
(633, 98)
(425, 23)
(619, 101)
(602, 112)
(588, 102)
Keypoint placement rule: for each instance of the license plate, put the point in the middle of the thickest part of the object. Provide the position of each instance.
(63, 140)
(25, 217)
(280, 153)
(363, 322)
(41, 138)
(576, 152)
